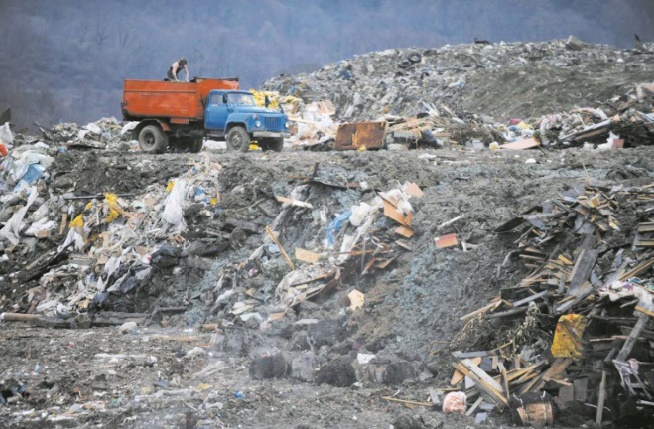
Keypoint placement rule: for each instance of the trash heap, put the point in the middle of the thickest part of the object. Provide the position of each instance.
(472, 93)
(593, 127)
(351, 237)
(106, 133)
(502, 80)
(574, 332)
(94, 250)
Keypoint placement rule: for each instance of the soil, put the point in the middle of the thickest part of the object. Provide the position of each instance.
(178, 375)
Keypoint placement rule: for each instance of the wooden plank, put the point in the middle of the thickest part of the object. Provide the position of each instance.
(307, 255)
(493, 395)
(601, 396)
(493, 305)
(293, 202)
(407, 402)
(633, 336)
(529, 143)
(582, 269)
(637, 270)
(281, 248)
(481, 374)
(475, 406)
(530, 299)
(390, 211)
(448, 240)
(413, 190)
(404, 231)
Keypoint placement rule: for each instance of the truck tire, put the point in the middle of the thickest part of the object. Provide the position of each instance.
(276, 144)
(152, 139)
(196, 145)
(238, 139)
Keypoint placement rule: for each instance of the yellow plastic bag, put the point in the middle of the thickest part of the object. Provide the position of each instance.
(568, 337)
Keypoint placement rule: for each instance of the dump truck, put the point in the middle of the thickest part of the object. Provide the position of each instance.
(181, 114)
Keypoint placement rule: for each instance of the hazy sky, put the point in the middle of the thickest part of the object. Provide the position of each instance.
(65, 60)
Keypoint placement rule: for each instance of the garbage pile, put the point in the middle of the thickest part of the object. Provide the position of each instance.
(90, 249)
(572, 335)
(501, 81)
(593, 127)
(106, 133)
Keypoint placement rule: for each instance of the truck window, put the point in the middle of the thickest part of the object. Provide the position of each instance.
(237, 98)
(216, 100)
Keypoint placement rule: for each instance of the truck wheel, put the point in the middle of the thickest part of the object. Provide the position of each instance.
(238, 139)
(152, 139)
(276, 144)
(196, 145)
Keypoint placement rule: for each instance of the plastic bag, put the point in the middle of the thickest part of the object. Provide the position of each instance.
(6, 136)
(174, 212)
(335, 226)
(11, 230)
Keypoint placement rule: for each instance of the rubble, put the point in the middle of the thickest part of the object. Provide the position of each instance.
(218, 286)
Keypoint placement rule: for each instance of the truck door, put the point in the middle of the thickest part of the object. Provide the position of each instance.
(216, 112)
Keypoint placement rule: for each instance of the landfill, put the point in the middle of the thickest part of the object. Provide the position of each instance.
(422, 254)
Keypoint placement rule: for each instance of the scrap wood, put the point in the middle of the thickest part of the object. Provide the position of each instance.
(293, 202)
(391, 211)
(485, 383)
(176, 338)
(307, 255)
(404, 231)
(637, 270)
(445, 241)
(450, 222)
(281, 248)
(507, 313)
(643, 318)
(530, 299)
(492, 306)
(413, 190)
(408, 402)
(474, 406)
(555, 371)
(600, 399)
(522, 144)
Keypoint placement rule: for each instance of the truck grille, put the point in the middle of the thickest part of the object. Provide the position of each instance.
(273, 124)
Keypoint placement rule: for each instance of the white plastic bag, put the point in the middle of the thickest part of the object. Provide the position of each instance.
(174, 211)
(11, 230)
(6, 136)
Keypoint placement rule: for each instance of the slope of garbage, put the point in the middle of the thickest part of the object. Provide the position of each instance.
(463, 282)
(501, 80)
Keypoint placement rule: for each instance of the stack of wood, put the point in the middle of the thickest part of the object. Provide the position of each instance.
(591, 290)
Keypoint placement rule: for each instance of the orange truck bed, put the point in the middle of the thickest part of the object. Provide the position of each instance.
(178, 102)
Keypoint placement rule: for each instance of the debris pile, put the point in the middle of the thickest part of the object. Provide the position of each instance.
(107, 133)
(575, 327)
(501, 79)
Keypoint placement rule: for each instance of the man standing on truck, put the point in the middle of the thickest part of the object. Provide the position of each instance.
(176, 67)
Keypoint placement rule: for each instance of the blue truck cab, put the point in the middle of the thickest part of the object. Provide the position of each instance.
(235, 116)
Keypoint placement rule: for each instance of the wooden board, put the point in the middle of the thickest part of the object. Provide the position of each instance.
(355, 135)
(529, 143)
(307, 255)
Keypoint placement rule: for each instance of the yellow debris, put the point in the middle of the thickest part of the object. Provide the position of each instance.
(568, 337)
(170, 186)
(77, 221)
(260, 98)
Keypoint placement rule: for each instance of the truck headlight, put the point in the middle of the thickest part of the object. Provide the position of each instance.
(257, 124)
(286, 124)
